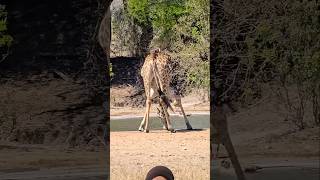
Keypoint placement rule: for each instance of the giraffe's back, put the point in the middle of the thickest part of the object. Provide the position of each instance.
(163, 62)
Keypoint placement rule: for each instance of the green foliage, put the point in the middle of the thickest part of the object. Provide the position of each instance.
(290, 42)
(195, 24)
(182, 26)
(270, 44)
(5, 39)
(198, 76)
(191, 42)
(162, 14)
(139, 9)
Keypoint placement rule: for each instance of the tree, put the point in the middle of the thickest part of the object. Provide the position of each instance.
(288, 42)
(159, 16)
(272, 43)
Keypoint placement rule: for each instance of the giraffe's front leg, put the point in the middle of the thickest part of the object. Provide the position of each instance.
(143, 122)
(146, 119)
(141, 127)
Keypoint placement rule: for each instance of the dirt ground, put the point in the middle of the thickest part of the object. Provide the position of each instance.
(186, 153)
(260, 134)
(25, 161)
(25, 156)
(39, 123)
(133, 154)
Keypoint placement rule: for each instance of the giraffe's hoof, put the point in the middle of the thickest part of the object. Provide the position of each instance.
(146, 131)
(164, 127)
(173, 131)
(189, 127)
(225, 164)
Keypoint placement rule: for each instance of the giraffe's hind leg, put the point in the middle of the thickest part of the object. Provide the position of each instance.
(167, 118)
(162, 116)
(220, 125)
(233, 157)
(179, 104)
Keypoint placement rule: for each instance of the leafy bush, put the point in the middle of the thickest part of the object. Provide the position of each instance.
(181, 26)
(191, 43)
(269, 43)
(163, 15)
(289, 43)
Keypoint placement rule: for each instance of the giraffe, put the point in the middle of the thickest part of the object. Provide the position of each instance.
(156, 76)
(220, 135)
